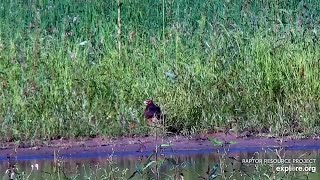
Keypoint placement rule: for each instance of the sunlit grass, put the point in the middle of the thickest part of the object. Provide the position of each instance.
(205, 63)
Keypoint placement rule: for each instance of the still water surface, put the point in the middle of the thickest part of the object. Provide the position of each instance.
(227, 165)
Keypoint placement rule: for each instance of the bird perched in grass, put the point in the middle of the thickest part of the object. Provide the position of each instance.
(152, 112)
(156, 119)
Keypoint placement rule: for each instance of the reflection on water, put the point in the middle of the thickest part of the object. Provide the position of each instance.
(229, 165)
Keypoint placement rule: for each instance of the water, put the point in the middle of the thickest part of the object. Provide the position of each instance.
(230, 163)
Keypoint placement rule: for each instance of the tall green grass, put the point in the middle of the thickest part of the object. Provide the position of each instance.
(67, 70)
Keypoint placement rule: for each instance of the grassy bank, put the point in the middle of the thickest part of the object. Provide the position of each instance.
(80, 68)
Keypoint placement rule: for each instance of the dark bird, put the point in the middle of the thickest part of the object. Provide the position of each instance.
(152, 112)
(157, 119)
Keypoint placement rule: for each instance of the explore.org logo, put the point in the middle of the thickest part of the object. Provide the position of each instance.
(286, 165)
(296, 169)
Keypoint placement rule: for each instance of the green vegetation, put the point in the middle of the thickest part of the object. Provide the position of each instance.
(78, 68)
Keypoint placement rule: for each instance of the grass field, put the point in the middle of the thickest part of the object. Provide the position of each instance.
(83, 68)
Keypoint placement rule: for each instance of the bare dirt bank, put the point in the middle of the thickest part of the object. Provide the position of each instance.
(134, 146)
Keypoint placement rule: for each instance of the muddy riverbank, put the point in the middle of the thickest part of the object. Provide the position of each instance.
(135, 146)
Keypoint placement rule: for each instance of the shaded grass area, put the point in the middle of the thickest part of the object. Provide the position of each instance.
(78, 68)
